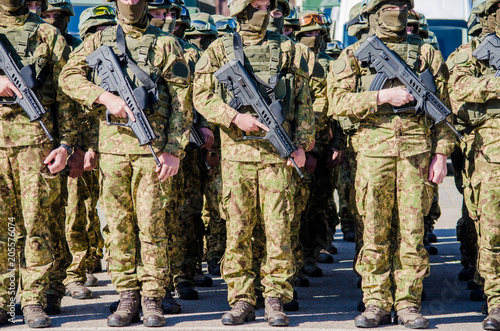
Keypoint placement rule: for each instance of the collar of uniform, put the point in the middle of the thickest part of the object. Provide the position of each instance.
(133, 31)
(9, 20)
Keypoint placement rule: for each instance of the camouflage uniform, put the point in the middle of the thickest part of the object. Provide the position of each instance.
(253, 176)
(28, 189)
(474, 89)
(136, 217)
(390, 166)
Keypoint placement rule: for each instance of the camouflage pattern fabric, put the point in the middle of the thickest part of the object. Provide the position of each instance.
(96, 240)
(393, 155)
(271, 184)
(24, 146)
(481, 152)
(137, 230)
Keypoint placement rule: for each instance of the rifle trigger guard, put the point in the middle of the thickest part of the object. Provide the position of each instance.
(108, 122)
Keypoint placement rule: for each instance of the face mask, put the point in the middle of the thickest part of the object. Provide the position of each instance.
(61, 22)
(179, 32)
(203, 42)
(276, 24)
(393, 20)
(11, 5)
(169, 25)
(157, 22)
(256, 21)
(131, 14)
(312, 42)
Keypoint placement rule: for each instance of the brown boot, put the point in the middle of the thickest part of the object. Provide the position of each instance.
(492, 322)
(241, 312)
(275, 315)
(77, 291)
(152, 313)
(411, 318)
(128, 309)
(35, 317)
(372, 317)
(91, 279)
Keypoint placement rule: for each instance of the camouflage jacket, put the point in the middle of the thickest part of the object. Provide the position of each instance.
(48, 50)
(172, 114)
(473, 90)
(381, 132)
(215, 109)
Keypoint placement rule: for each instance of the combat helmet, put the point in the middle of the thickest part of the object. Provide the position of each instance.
(474, 25)
(423, 30)
(357, 19)
(413, 20)
(160, 4)
(238, 6)
(311, 20)
(224, 24)
(373, 5)
(488, 5)
(202, 24)
(183, 18)
(286, 6)
(61, 5)
(292, 19)
(334, 48)
(96, 16)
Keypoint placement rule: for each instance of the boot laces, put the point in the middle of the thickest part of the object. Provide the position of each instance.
(240, 306)
(126, 301)
(36, 309)
(152, 305)
(275, 304)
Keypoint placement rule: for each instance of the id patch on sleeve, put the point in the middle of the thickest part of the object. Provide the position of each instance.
(339, 66)
(180, 70)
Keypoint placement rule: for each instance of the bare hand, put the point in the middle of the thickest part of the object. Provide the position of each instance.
(56, 161)
(438, 169)
(208, 137)
(115, 105)
(90, 162)
(311, 163)
(248, 123)
(299, 156)
(336, 159)
(395, 96)
(75, 163)
(169, 167)
(7, 89)
(213, 161)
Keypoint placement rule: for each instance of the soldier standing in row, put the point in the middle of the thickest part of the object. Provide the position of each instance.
(28, 179)
(474, 90)
(134, 193)
(395, 174)
(257, 184)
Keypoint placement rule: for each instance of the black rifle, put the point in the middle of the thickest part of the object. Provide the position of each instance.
(24, 80)
(196, 139)
(108, 68)
(238, 82)
(489, 50)
(374, 53)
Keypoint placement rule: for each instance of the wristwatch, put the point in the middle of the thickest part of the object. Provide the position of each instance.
(69, 149)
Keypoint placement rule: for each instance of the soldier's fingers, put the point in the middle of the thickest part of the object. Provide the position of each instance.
(15, 90)
(410, 97)
(50, 157)
(130, 114)
(164, 171)
(262, 126)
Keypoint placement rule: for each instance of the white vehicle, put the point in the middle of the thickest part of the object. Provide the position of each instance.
(446, 18)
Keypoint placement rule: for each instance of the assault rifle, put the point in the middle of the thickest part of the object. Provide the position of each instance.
(105, 62)
(374, 53)
(489, 50)
(24, 80)
(235, 76)
(196, 139)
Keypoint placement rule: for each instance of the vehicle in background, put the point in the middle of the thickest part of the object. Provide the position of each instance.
(446, 18)
(79, 6)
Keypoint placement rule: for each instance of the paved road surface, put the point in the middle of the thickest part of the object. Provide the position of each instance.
(329, 303)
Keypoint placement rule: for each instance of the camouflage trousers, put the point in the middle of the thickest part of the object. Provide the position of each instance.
(80, 222)
(301, 195)
(253, 192)
(134, 204)
(211, 215)
(486, 193)
(96, 240)
(57, 241)
(393, 195)
(345, 190)
(27, 192)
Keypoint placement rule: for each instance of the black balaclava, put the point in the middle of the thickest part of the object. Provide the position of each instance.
(276, 24)
(203, 42)
(61, 22)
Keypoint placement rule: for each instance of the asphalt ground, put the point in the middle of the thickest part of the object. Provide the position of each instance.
(329, 303)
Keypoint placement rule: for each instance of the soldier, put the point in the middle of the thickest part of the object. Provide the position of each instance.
(256, 182)
(334, 48)
(474, 94)
(291, 23)
(29, 182)
(392, 168)
(183, 21)
(202, 32)
(95, 19)
(136, 217)
(224, 24)
(36, 6)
